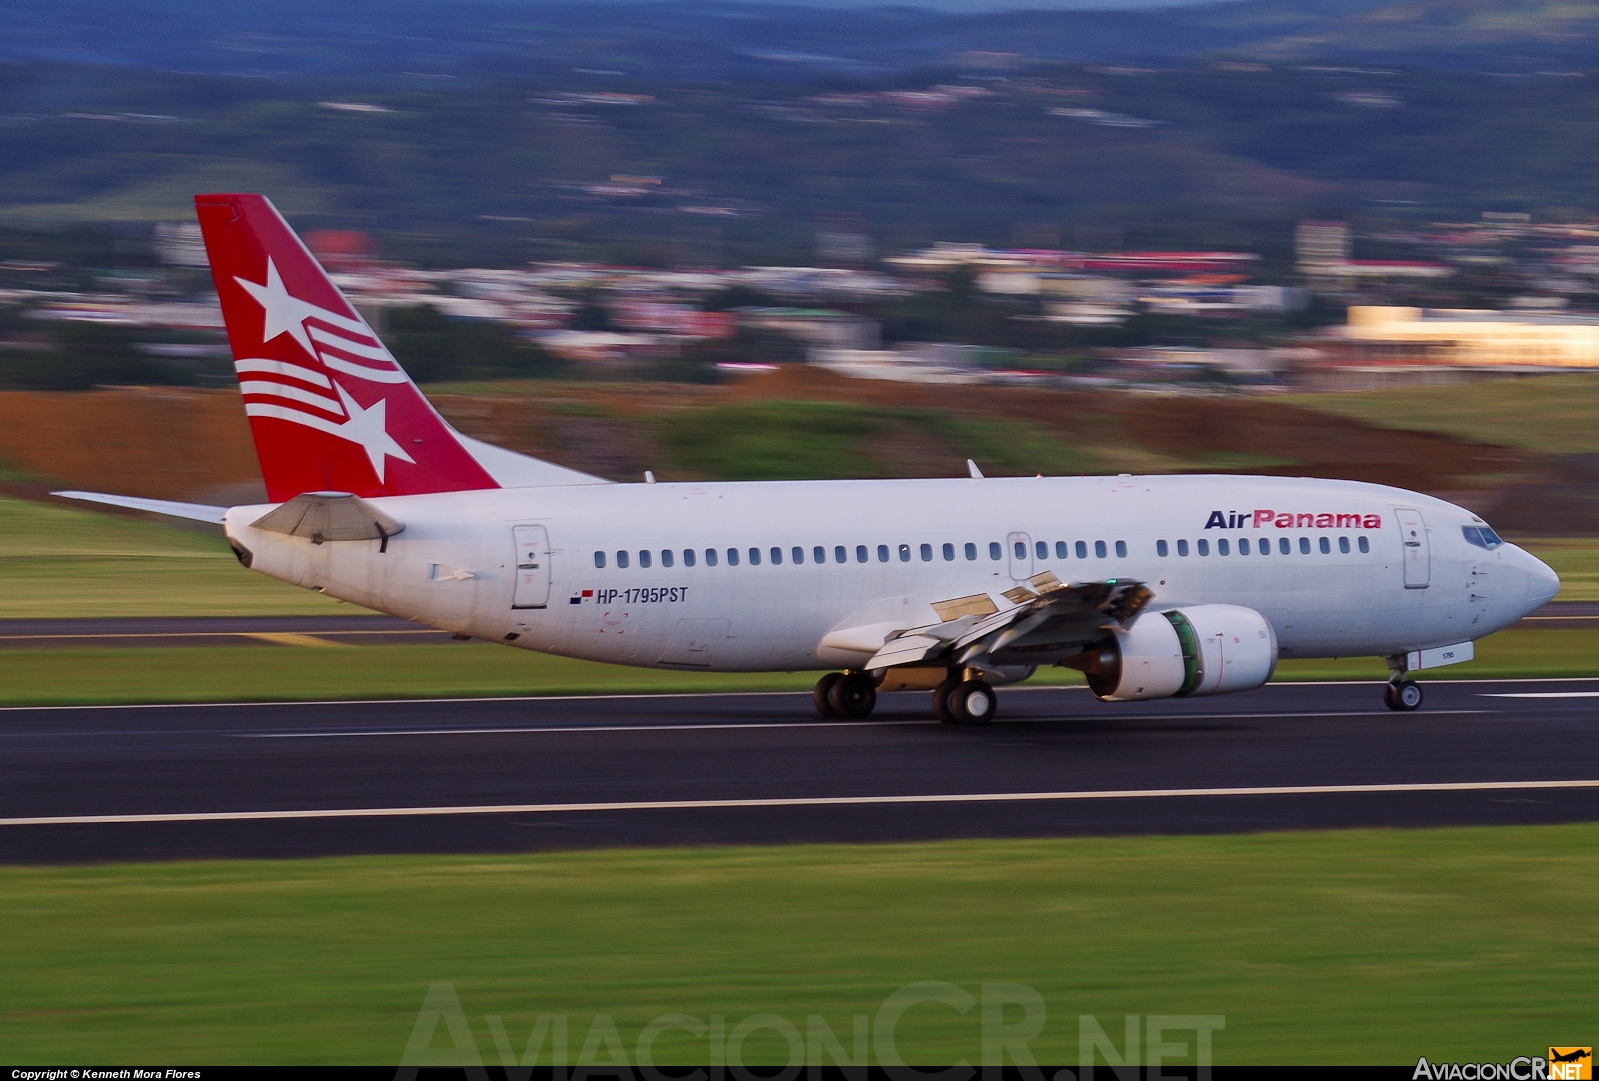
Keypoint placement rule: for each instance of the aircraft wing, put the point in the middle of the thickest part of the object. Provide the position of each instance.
(1049, 617)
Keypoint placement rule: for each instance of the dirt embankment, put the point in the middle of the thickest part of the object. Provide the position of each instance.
(195, 444)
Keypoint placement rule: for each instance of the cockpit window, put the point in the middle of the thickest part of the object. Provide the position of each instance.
(1481, 536)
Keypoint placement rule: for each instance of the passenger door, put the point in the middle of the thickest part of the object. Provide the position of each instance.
(532, 567)
(1418, 555)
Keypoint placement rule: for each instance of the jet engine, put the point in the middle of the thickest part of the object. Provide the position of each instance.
(1206, 649)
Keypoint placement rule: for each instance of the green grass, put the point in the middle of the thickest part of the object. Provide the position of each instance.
(58, 562)
(799, 440)
(1550, 413)
(295, 673)
(1348, 947)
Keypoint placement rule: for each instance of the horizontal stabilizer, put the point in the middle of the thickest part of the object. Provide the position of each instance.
(329, 516)
(198, 512)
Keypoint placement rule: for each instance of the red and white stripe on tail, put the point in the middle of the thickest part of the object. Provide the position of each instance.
(329, 407)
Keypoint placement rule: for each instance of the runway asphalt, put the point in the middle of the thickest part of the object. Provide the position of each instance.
(367, 630)
(506, 775)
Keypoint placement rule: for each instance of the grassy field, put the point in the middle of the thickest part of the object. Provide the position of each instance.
(1350, 947)
(1550, 413)
(297, 673)
(58, 562)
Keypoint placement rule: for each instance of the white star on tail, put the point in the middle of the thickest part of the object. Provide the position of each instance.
(287, 313)
(367, 427)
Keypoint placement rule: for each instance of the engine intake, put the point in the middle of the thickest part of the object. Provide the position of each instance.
(1184, 652)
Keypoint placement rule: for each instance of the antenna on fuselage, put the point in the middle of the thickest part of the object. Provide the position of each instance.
(971, 467)
(649, 477)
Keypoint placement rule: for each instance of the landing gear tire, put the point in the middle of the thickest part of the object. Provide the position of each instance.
(824, 687)
(941, 695)
(1403, 696)
(853, 696)
(972, 702)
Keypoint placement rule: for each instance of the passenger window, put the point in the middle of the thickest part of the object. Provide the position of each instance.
(971, 550)
(1182, 547)
(860, 553)
(1161, 549)
(1041, 550)
(1099, 549)
(1222, 547)
(882, 553)
(1061, 551)
(798, 555)
(688, 557)
(621, 560)
(710, 557)
(667, 557)
(599, 559)
(1325, 545)
(1282, 545)
(904, 553)
(839, 554)
(1202, 547)
(1304, 546)
(995, 551)
(732, 557)
(1363, 544)
(1121, 549)
(644, 558)
(755, 557)
(777, 556)
(1020, 549)
(1243, 546)
(949, 553)
(819, 555)
(927, 553)
(1343, 545)
(1082, 549)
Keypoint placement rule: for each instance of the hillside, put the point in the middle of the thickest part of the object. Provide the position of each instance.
(1196, 156)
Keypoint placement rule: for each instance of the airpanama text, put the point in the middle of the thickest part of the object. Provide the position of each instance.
(1220, 519)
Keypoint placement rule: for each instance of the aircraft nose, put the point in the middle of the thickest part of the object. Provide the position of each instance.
(1542, 582)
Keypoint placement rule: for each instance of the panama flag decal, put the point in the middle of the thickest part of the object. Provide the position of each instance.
(330, 408)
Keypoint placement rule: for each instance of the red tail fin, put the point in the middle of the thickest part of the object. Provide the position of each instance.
(328, 406)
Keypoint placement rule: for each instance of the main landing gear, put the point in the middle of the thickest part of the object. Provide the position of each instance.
(964, 701)
(1402, 693)
(962, 698)
(846, 694)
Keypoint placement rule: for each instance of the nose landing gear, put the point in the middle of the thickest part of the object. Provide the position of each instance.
(1404, 695)
(1401, 693)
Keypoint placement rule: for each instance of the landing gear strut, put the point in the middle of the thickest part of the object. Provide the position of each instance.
(1401, 693)
(851, 695)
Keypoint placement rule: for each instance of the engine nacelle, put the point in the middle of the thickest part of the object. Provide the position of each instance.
(1206, 649)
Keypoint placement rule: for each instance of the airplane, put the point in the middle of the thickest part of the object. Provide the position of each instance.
(1152, 586)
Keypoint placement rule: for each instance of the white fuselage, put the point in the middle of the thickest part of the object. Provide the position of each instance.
(520, 565)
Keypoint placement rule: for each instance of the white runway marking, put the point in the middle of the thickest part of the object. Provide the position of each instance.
(809, 801)
(1541, 694)
(734, 725)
